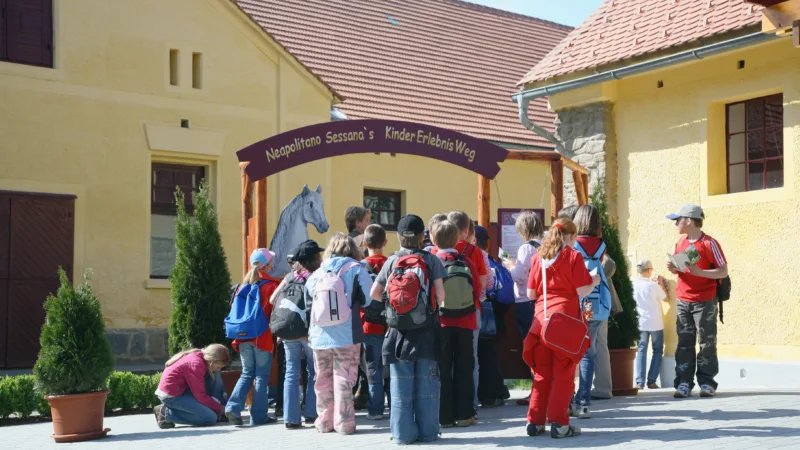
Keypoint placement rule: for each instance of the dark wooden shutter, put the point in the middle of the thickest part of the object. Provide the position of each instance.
(29, 32)
(5, 235)
(2, 30)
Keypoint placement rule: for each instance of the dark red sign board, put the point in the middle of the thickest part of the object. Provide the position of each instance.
(324, 140)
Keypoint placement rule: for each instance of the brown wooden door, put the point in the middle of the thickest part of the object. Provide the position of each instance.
(5, 234)
(40, 236)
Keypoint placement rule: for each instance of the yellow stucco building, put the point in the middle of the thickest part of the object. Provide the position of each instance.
(701, 110)
(106, 106)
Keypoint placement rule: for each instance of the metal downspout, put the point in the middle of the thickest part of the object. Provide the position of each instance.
(523, 98)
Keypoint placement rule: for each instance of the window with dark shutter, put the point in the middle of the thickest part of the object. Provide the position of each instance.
(163, 210)
(385, 207)
(26, 32)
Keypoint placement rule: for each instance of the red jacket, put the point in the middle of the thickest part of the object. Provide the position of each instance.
(188, 372)
(263, 342)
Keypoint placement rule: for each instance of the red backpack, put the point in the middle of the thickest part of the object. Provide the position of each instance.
(408, 291)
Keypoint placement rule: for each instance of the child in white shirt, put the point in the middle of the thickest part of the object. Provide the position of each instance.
(649, 295)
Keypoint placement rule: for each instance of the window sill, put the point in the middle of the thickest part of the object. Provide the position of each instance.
(743, 198)
(157, 283)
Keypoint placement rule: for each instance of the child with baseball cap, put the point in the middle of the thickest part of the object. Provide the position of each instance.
(649, 295)
(256, 354)
(697, 303)
(412, 355)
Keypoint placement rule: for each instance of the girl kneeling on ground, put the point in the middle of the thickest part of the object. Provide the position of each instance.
(554, 370)
(191, 389)
(256, 354)
(336, 292)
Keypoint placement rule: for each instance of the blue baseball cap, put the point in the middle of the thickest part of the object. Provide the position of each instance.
(261, 257)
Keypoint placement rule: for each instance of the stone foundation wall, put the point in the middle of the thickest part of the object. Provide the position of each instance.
(139, 345)
(589, 138)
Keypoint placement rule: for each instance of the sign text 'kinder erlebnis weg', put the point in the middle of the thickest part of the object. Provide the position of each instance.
(311, 143)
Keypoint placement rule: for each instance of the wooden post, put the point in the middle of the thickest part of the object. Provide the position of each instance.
(579, 191)
(484, 194)
(796, 33)
(245, 216)
(585, 177)
(556, 188)
(261, 213)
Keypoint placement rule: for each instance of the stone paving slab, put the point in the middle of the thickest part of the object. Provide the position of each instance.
(743, 419)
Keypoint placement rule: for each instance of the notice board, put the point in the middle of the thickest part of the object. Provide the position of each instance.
(507, 237)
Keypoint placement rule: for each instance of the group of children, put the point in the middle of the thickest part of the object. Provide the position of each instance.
(419, 312)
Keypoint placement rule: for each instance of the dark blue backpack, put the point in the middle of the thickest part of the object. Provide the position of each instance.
(503, 289)
(488, 320)
(247, 319)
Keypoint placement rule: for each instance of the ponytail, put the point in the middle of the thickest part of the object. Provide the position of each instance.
(555, 239)
(252, 276)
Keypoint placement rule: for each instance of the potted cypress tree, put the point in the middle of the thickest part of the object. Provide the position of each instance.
(201, 281)
(623, 328)
(75, 362)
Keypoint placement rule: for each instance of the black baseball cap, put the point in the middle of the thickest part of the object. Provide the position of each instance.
(306, 250)
(410, 226)
(481, 233)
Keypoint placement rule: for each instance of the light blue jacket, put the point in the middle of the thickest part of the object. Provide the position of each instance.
(357, 284)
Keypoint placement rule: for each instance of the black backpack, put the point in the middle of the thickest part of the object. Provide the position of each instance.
(535, 244)
(290, 318)
(723, 294)
(375, 313)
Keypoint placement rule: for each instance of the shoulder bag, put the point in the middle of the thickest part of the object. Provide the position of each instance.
(561, 333)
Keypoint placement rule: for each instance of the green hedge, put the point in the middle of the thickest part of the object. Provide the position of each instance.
(129, 393)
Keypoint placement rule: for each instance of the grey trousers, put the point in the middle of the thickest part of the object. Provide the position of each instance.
(602, 367)
(697, 321)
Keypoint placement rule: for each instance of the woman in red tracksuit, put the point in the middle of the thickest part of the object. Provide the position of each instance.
(554, 373)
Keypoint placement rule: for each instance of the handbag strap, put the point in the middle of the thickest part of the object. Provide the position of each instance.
(544, 286)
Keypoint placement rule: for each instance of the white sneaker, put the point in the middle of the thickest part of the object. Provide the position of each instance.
(683, 391)
(583, 412)
(707, 391)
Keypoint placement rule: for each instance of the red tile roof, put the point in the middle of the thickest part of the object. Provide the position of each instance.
(446, 63)
(622, 29)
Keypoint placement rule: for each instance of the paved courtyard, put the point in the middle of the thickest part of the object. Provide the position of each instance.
(651, 420)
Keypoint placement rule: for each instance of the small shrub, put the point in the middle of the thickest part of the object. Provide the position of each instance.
(6, 407)
(76, 356)
(23, 396)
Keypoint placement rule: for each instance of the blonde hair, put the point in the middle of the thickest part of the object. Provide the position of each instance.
(342, 245)
(529, 225)
(556, 238)
(445, 235)
(211, 354)
(251, 277)
(461, 219)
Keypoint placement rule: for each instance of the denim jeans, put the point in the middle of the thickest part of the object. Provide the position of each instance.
(584, 396)
(415, 401)
(294, 351)
(256, 364)
(186, 410)
(372, 352)
(475, 371)
(641, 356)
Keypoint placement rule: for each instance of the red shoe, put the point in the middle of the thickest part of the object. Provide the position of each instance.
(524, 401)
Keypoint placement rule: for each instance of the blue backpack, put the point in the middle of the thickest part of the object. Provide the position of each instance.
(503, 289)
(247, 319)
(488, 320)
(601, 295)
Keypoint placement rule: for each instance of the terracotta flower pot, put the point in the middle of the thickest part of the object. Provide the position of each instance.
(622, 372)
(78, 417)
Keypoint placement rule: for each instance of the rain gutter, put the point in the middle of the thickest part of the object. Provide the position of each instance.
(523, 98)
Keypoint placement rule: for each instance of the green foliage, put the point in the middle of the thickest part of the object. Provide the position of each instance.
(75, 357)
(623, 328)
(200, 279)
(131, 392)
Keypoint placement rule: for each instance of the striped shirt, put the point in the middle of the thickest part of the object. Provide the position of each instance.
(698, 289)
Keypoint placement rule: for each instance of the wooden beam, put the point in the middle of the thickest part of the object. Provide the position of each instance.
(580, 193)
(556, 188)
(573, 166)
(780, 17)
(533, 155)
(796, 34)
(484, 201)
